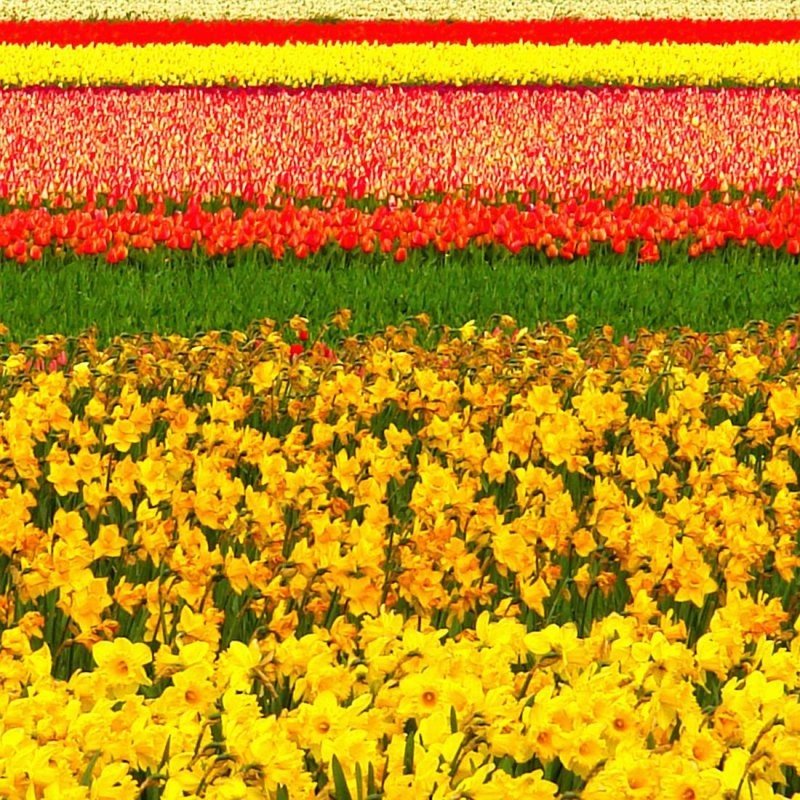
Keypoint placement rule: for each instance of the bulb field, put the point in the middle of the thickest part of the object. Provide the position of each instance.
(399, 400)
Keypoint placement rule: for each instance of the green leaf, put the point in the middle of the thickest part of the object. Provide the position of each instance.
(359, 782)
(165, 756)
(506, 764)
(339, 781)
(408, 755)
(86, 778)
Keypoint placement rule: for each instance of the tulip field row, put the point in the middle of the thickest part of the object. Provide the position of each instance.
(545, 31)
(567, 231)
(399, 400)
(483, 10)
(625, 63)
(404, 142)
(510, 564)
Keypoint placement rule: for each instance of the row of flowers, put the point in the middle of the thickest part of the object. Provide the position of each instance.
(554, 32)
(566, 231)
(400, 9)
(395, 142)
(625, 63)
(502, 565)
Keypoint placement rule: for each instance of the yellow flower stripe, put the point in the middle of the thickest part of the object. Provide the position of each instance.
(401, 9)
(307, 65)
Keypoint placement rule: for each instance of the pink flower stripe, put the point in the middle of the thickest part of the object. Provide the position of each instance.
(395, 141)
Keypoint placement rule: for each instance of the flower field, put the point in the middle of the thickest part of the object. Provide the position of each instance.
(373, 143)
(566, 231)
(399, 400)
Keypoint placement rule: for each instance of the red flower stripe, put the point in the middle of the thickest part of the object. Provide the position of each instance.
(564, 231)
(358, 141)
(552, 32)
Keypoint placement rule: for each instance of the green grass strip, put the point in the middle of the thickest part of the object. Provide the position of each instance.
(187, 293)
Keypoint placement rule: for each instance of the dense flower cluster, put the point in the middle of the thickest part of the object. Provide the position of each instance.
(496, 566)
(626, 63)
(400, 9)
(565, 231)
(395, 141)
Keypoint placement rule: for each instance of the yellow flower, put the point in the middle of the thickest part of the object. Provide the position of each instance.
(64, 477)
(784, 405)
(746, 369)
(571, 321)
(122, 433)
(467, 331)
(122, 662)
(114, 781)
(191, 689)
(534, 594)
(691, 573)
(264, 376)
(496, 466)
(109, 543)
(87, 465)
(68, 526)
(585, 749)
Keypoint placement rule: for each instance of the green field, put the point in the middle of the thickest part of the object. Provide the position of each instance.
(187, 293)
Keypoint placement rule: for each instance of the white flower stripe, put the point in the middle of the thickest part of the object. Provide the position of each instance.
(400, 9)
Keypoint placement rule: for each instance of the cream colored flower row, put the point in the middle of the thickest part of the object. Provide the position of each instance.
(401, 9)
(312, 65)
